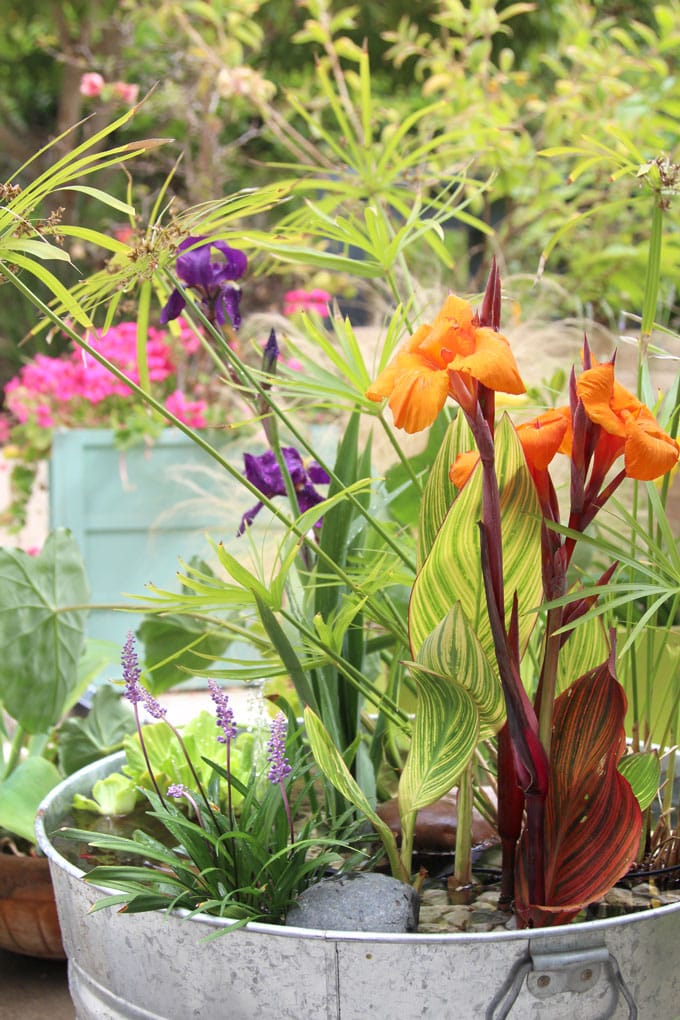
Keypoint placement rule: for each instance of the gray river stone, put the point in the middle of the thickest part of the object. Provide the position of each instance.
(362, 901)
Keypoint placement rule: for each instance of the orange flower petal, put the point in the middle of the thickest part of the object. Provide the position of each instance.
(648, 451)
(416, 392)
(454, 341)
(595, 387)
(492, 362)
(418, 398)
(462, 468)
(544, 436)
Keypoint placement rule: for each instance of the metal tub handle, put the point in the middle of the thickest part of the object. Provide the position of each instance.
(576, 971)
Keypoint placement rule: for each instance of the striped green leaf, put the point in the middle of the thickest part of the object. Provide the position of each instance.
(460, 701)
(440, 491)
(452, 571)
(331, 763)
(643, 772)
(586, 647)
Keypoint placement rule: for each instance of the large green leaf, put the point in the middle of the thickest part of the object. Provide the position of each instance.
(101, 732)
(21, 794)
(452, 571)
(177, 646)
(43, 602)
(460, 701)
(592, 820)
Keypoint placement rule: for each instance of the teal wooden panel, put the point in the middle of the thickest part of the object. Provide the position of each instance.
(134, 513)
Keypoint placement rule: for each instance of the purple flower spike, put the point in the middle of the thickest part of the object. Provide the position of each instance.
(177, 790)
(265, 474)
(135, 692)
(213, 280)
(279, 766)
(153, 707)
(131, 670)
(225, 715)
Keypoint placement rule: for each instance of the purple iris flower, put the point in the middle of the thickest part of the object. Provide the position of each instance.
(265, 474)
(213, 280)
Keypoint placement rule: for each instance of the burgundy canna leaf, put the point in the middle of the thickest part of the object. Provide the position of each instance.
(592, 820)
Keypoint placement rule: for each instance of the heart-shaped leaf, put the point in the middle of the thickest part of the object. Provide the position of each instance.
(100, 733)
(22, 792)
(42, 629)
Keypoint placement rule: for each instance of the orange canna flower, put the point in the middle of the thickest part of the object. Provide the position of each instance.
(421, 375)
(416, 387)
(541, 439)
(648, 451)
(546, 435)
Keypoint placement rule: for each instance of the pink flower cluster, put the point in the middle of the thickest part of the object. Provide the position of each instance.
(92, 84)
(306, 301)
(74, 388)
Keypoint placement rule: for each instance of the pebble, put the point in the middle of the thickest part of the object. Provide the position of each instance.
(438, 916)
(617, 897)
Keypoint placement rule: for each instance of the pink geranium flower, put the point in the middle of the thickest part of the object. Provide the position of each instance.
(91, 84)
(125, 91)
(74, 389)
(191, 412)
(306, 301)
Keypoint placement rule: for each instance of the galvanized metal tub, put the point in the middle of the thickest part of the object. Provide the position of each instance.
(153, 966)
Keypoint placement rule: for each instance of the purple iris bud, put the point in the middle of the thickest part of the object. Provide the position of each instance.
(135, 691)
(264, 473)
(279, 766)
(270, 354)
(224, 713)
(212, 279)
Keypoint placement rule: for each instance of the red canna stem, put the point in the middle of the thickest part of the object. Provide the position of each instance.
(530, 759)
(510, 814)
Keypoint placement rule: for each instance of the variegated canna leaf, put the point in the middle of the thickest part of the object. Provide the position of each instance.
(440, 491)
(452, 571)
(585, 648)
(643, 772)
(460, 701)
(592, 821)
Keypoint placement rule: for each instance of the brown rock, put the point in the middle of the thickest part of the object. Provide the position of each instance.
(436, 825)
